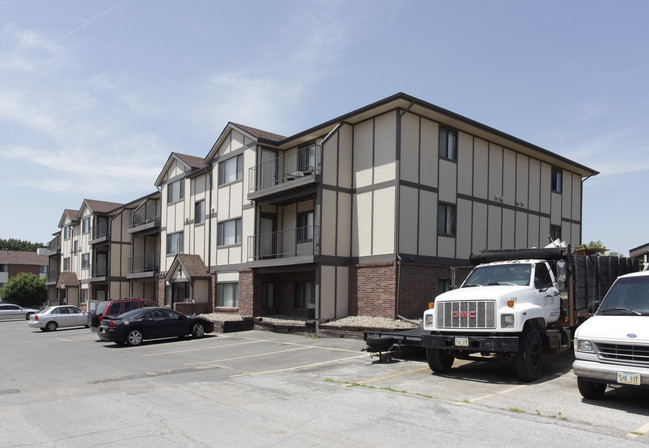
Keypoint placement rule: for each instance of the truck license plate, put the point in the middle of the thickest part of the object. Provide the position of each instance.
(461, 342)
(628, 378)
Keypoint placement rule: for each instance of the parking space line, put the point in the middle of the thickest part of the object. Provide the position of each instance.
(64, 340)
(244, 357)
(288, 369)
(198, 349)
(502, 392)
(298, 345)
(379, 378)
(639, 432)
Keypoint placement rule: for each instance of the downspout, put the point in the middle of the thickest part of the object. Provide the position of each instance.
(209, 243)
(405, 111)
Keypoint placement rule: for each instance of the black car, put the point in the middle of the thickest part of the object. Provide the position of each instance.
(150, 323)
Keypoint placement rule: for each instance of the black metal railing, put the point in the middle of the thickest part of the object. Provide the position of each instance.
(302, 241)
(143, 263)
(290, 167)
(100, 230)
(100, 268)
(146, 213)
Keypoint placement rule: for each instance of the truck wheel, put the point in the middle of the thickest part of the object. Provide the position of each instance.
(439, 361)
(381, 343)
(590, 389)
(529, 360)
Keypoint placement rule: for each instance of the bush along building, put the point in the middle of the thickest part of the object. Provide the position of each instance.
(365, 214)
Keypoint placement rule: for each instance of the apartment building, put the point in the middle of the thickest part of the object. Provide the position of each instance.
(364, 214)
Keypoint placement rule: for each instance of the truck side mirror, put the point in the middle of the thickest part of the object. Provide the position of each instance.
(561, 271)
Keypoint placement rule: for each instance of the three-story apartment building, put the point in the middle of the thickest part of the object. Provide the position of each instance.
(363, 214)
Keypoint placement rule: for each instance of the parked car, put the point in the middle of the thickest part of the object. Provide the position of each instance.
(11, 311)
(115, 308)
(150, 323)
(53, 317)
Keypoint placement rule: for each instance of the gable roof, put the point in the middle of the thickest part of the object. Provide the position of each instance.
(68, 279)
(258, 133)
(192, 265)
(25, 258)
(100, 206)
(73, 215)
(192, 162)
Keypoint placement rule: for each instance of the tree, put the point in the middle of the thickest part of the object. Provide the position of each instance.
(25, 289)
(19, 245)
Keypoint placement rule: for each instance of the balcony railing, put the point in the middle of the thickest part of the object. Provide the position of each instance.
(100, 268)
(147, 213)
(291, 167)
(143, 263)
(302, 241)
(100, 230)
(54, 246)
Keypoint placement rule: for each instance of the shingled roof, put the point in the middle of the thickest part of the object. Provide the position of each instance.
(25, 258)
(101, 206)
(259, 133)
(193, 266)
(192, 161)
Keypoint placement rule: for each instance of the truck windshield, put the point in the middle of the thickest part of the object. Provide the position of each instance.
(499, 274)
(627, 296)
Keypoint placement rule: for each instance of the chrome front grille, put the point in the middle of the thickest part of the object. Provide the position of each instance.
(623, 353)
(466, 314)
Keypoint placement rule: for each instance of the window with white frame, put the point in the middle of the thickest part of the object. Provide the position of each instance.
(66, 264)
(85, 225)
(176, 191)
(446, 219)
(67, 232)
(231, 170)
(85, 261)
(229, 232)
(447, 143)
(84, 296)
(227, 295)
(175, 243)
(199, 212)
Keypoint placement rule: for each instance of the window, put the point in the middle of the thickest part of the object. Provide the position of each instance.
(67, 232)
(85, 261)
(446, 219)
(447, 143)
(176, 191)
(229, 232)
(175, 243)
(4, 268)
(542, 277)
(199, 212)
(85, 225)
(76, 246)
(302, 295)
(231, 170)
(305, 227)
(84, 295)
(557, 179)
(555, 232)
(66, 264)
(227, 295)
(268, 295)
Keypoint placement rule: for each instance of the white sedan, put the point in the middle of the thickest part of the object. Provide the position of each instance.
(53, 317)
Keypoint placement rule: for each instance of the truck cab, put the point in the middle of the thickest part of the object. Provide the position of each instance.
(612, 347)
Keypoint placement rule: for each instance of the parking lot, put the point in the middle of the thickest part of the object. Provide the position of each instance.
(257, 388)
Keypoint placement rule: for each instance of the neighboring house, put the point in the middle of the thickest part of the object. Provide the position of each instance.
(14, 262)
(364, 214)
(641, 253)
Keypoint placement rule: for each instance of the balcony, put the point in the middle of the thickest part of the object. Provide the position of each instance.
(99, 269)
(100, 232)
(296, 170)
(54, 247)
(143, 265)
(292, 243)
(145, 217)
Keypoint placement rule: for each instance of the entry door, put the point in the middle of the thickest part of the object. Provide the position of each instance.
(267, 237)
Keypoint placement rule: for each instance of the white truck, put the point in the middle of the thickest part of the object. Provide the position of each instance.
(515, 304)
(612, 347)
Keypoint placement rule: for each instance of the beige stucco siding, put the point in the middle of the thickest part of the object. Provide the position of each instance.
(342, 293)
(555, 214)
(494, 237)
(446, 246)
(535, 185)
(385, 141)
(480, 169)
(522, 180)
(429, 153)
(344, 216)
(576, 196)
(521, 229)
(384, 221)
(330, 161)
(345, 153)
(327, 292)
(546, 196)
(479, 227)
(566, 196)
(363, 151)
(427, 223)
(362, 227)
(464, 214)
(410, 148)
(201, 291)
(533, 236)
(509, 224)
(495, 171)
(408, 225)
(465, 164)
(329, 217)
(509, 176)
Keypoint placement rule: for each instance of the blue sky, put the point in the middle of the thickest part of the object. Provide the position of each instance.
(95, 95)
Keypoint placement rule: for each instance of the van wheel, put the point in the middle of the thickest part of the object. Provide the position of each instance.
(590, 389)
(439, 361)
(529, 360)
